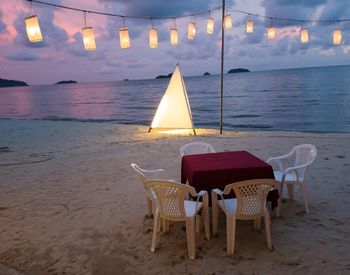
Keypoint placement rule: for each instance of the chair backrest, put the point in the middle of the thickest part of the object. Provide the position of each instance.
(170, 198)
(251, 197)
(305, 154)
(146, 175)
(196, 147)
(139, 171)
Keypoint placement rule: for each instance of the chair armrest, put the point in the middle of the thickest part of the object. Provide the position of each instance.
(155, 171)
(217, 192)
(294, 169)
(204, 195)
(276, 160)
(201, 193)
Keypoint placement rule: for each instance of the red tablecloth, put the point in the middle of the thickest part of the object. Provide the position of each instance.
(216, 170)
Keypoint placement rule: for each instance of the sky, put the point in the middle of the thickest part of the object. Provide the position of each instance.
(60, 56)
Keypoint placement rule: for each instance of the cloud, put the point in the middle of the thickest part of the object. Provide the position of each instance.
(156, 8)
(22, 55)
(3, 27)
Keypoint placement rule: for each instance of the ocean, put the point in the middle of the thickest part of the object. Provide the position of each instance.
(307, 99)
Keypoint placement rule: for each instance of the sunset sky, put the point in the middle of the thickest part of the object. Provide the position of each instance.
(61, 55)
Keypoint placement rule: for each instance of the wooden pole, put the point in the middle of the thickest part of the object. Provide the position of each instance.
(222, 61)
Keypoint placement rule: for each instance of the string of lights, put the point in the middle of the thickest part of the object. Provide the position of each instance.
(34, 32)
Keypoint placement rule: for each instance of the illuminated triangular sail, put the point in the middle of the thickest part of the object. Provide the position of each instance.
(174, 109)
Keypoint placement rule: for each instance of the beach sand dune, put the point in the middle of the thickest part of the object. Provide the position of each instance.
(71, 204)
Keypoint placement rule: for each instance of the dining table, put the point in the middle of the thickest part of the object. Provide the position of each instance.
(216, 170)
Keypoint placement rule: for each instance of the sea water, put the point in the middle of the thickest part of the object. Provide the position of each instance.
(308, 99)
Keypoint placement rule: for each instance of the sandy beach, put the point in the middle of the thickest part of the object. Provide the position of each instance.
(71, 204)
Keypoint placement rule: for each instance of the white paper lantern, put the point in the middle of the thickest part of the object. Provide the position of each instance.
(337, 37)
(124, 38)
(228, 21)
(250, 26)
(271, 33)
(153, 38)
(33, 29)
(173, 37)
(191, 30)
(304, 35)
(88, 39)
(210, 25)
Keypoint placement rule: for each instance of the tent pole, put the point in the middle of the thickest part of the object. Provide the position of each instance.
(222, 61)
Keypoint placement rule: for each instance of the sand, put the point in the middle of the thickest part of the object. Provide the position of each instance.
(71, 204)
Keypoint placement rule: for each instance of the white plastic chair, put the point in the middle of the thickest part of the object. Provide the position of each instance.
(249, 204)
(147, 175)
(299, 158)
(172, 206)
(196, 147)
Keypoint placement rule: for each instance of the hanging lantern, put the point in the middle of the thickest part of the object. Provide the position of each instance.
(173, 36)
(191, 30)
(337, 37)
(228, 21)
(33, 29)
(124, 38)
(88, 39)
(153, 38)
(210, 25)
(271, 33)
(304, 35)
(250, 26)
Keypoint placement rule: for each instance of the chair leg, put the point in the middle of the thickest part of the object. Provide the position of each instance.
(155, 230)
(257, 224)
(231, 232)
(281, 189)
(198, 224)
(279, 206)
(205, 214)
(191, 237)
(215, 212)
(304, 193)
(290, 188)
(267, 229)
(164, 226)
(150, 207)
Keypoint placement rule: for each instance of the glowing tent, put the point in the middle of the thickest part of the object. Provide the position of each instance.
(174, 110)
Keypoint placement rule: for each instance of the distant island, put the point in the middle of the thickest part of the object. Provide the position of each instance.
(125, 79)
(164, 76)
(66, 82)
(11, 83)
(206, 73)
(238, 70)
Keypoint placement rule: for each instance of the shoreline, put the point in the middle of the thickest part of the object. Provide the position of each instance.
(115, 122)
(83, 210)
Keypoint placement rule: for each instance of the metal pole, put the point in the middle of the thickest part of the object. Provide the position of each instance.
(222, 61)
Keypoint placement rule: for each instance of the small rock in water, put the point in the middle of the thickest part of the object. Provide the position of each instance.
(4, 149)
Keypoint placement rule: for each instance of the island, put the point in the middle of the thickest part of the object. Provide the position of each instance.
(164, 76)
(125, 79)
(206, 73)
(238, 70)
(11, 83)
(66, 82)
